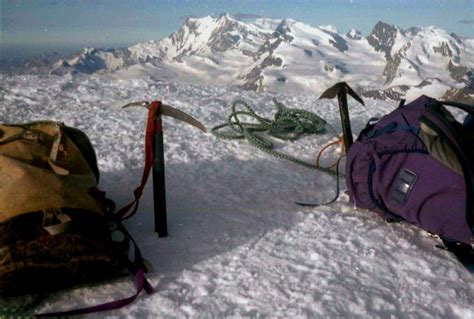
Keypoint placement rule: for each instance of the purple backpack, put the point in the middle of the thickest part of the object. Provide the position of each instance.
(416, 164)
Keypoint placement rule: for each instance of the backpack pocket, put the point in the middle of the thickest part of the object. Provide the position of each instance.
(32, 260)
(422, 191)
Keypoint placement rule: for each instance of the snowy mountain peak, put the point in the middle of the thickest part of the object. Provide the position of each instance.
(329, 28)
(354, 34)
(226, 16)
(284, 29)
(208, 35)
(287, 55)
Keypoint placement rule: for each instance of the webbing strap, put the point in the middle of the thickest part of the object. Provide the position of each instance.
(465, 107)
(336, 196)
(137, 268)
(463, 252)
(153, 126)
(393, 127)
(339, 141)
(53, 156)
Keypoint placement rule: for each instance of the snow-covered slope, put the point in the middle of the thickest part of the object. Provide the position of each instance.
(309, 59)
(423, 58)
(290, 56)
(238, 244)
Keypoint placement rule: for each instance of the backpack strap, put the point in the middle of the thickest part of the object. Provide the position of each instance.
(463, 252)
(402, 103)
(53, 155)
(336, 196)
(137, 268)
(469, 122)
(393, 127)
(465, 107)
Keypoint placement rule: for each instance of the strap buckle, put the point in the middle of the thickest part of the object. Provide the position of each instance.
(55, 222)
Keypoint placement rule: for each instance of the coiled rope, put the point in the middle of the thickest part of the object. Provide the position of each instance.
(288, 124)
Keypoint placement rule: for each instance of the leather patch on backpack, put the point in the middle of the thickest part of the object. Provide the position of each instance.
(402, 186)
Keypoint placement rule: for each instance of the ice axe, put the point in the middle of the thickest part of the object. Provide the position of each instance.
(154, 158)
(341, 90)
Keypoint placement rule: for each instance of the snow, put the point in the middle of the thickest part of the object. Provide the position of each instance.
(399, 42)
(238, 245)
(435, 90)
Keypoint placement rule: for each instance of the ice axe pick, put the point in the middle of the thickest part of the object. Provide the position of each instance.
(341, 90)
(154, 156)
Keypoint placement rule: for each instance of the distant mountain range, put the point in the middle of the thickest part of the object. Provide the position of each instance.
(287, 55)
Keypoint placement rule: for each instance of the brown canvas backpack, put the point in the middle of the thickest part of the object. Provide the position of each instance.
(53, 226)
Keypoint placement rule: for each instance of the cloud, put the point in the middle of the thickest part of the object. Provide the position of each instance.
(466, 21)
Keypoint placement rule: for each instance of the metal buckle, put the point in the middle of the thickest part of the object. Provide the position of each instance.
(55, 222)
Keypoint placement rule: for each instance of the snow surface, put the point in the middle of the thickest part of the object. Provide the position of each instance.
(238, 244)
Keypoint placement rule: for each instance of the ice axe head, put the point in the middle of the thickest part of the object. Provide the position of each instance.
(181, 116)
(338, 89)
(172, 112)
(341, 90)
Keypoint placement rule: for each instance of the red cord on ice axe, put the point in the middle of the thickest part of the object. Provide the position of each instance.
(154, 158)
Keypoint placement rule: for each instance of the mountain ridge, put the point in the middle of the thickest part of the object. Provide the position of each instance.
(288, 55)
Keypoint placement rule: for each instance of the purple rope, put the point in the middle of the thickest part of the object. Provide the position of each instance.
(137, 268)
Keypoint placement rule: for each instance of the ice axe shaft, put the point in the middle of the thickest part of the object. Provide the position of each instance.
(341, 90)
(346, 129)
(159, 182)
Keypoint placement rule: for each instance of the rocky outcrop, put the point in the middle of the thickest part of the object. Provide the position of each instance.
(460, 73)
(393, 93)
(382, 38)
(464, 95)
(444, 50)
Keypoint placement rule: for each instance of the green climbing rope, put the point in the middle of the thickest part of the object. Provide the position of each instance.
(288, 124)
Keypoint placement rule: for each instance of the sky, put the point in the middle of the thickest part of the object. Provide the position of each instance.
(32, 28)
